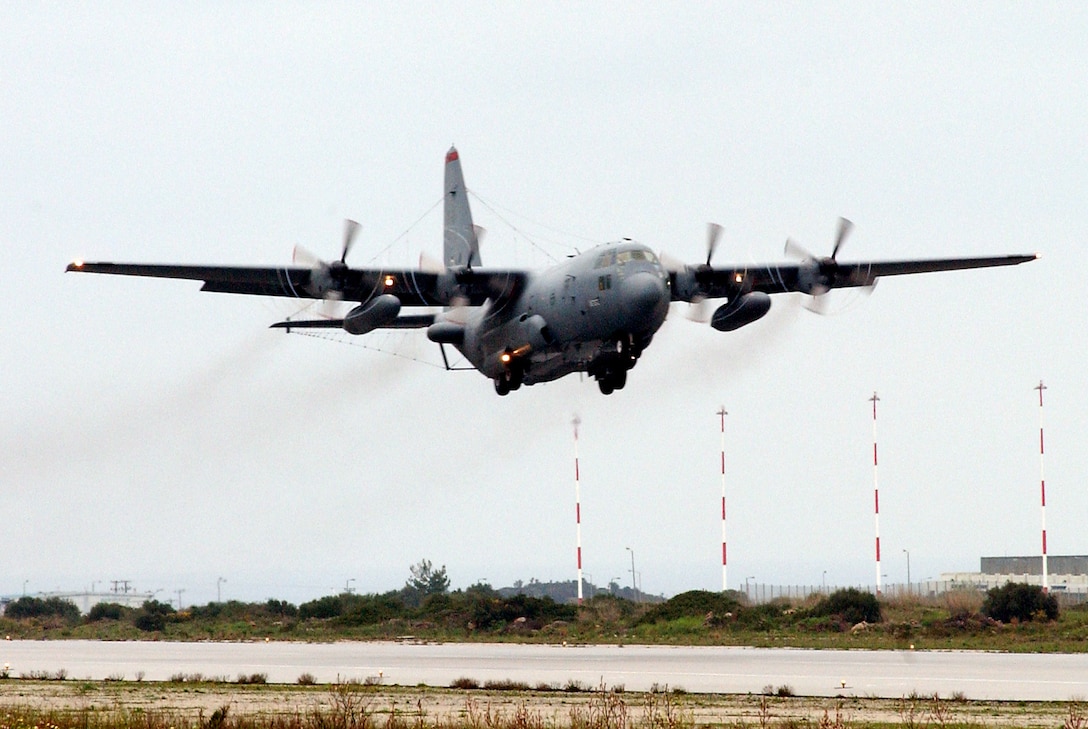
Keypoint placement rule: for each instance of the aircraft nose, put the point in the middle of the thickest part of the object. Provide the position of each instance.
(644, 296)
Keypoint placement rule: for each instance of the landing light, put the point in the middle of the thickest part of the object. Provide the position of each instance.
(505, 358)
(739, 277)
(78, 263)
(389, 281)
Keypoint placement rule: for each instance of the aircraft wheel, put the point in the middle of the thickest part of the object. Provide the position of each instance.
(619, 379)
(502, 387)
(511, 377)
(605, 383)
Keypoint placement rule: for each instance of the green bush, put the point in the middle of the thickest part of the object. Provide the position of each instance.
(157, 608)
(34, 607)
(373, 609)
(490, 612)
(691, 604)
(330, 606)
(150, 621)
(106, 611)
(760, 617)
(851, 604)
(1020, 601)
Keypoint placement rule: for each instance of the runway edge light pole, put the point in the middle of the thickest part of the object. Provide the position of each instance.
(1042, 483)
(722, 413)
(578, 506)
(876, 496)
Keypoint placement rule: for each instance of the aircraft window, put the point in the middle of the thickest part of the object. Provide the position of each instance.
(634, 255)
(606, 259)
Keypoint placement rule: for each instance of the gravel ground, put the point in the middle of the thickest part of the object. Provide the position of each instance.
(554, 708)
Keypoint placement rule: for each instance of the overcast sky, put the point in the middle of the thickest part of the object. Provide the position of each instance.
(165, 436)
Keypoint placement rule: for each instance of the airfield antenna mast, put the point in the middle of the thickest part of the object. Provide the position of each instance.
(1042, 482)
(578, 506)
(876, 497)
(722, 413)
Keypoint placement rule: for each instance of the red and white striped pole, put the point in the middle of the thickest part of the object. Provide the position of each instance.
(876, 497)
(578, 505)
(722, 413)
(1042, 482)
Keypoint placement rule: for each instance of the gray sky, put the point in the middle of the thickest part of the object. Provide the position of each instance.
(162, 435)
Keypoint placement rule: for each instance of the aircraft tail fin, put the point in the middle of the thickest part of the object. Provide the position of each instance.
(461, 246)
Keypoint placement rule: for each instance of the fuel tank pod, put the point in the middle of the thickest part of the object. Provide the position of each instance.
(375, 313)
(743, 310)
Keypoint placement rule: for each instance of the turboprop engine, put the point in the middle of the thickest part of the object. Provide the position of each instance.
(742, 310)
(369, 316)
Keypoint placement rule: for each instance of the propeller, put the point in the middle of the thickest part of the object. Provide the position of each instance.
(327, 277)
(816, 276)
(713, 236)
(693, 278)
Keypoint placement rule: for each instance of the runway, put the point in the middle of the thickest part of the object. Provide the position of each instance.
(890, 674)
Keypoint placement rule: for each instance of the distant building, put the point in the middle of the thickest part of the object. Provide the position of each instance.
(87, 600)
(1064, 574)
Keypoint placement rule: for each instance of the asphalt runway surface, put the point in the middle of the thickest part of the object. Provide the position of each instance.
(889, 674)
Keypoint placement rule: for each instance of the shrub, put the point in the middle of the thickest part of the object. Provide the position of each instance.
(330, 606)
(691, 604)
(372, 609)
(760, 617)
(851, 604)
(465, 683)
(150, 622)
(506, 684)
(486, 612)
(1019, 601)
(106, 611)
(306, 679)
(253, 678)
(157, 608)
(34, 607)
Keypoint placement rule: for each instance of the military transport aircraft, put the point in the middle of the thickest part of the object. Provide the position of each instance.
(594, 312)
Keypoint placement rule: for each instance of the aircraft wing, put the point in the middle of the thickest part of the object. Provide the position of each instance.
(413, 287)
(718, 282)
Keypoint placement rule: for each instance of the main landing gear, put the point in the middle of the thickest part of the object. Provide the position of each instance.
(510, 379)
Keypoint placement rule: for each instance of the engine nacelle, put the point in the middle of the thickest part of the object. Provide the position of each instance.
(535, 331)
(740, 311)
(446, 332)
(369, 316)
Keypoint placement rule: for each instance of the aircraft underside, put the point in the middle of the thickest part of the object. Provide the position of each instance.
(607, 361)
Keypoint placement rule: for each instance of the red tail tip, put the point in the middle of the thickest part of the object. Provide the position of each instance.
(451, 156)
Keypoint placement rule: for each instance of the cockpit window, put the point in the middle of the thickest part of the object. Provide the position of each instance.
(607, 258)
(637, 254)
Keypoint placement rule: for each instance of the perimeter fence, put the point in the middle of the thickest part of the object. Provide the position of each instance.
(759, 593)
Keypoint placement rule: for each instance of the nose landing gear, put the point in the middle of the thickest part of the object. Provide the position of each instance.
(611, 367)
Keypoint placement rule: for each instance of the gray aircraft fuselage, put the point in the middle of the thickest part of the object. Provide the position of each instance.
(594, 312)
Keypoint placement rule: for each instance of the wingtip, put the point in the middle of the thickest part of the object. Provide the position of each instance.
(76, 265)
